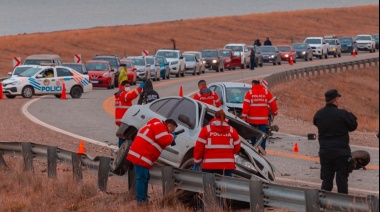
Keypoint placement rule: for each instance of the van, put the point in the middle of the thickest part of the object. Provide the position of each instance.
(38, 59)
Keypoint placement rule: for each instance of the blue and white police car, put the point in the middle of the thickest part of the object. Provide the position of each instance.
(46, 80)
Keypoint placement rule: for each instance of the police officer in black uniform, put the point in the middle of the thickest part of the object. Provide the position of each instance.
(333, 125)
(148, 94)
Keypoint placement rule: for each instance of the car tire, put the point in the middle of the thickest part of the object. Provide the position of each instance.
(306, 58)
(295, 61)
(121, 165)
(326, 56)
(76, 92)
(217, 69)
(27, 92)
(242, 66)
(222, 69)
(177, 75)
(274, 63)
(279, 63)
(10, 96)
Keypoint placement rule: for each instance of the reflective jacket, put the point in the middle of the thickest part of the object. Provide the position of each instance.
(123, 75)
(216, 146)
(123, 100)
(256, 103)
(149, 143)
(210, 98)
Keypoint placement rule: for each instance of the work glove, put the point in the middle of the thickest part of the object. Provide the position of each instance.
(174, 137)
(195, 167)
(142, 84)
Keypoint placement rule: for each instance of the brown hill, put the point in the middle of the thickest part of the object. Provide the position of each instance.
(195, 34)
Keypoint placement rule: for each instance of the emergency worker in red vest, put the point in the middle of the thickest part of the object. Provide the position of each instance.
(216, 146)
(206, 95)
(123, 100)
(151, 139)
(255, 108)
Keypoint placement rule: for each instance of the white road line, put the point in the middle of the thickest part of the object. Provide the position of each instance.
(319, 184)
(37, 121)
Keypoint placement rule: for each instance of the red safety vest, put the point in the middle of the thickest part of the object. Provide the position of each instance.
(216, 146)
(149, 143)
(123, 100)
(211, 99)
(256, 103)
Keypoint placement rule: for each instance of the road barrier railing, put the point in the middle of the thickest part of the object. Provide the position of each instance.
(258, 194)
(318, 70)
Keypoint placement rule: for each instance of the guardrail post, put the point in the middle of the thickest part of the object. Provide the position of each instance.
(28, 156)
(3, 164)
(297, 73)
(364, 64)
(52, 161)
(374, 203)
(256, 194)
(77, 167)
(312, 201)
(209, 197)
(167, 180)
(103, 171)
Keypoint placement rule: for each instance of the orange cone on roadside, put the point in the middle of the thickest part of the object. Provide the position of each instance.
(353, 52)
(180, 91)
(291, 60)
(81, 148)
(295, 148)
(1, 90)
(63, 94)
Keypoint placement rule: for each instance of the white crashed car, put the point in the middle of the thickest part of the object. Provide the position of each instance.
(34, 81)
(191, 116)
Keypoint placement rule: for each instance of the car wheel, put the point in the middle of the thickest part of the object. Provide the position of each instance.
(295, 61)
(27, 92)
(10, 96)
(217, 69)
(76, 92)
(335, 55)
(121, 165)
(311, 58)
(274, 63)
(326, 56)
(306, 58)
(221, 69)
(242, 66)
(177, 75)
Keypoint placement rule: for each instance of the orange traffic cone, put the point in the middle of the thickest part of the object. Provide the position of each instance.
(63, 94)
(81, 148)
(291, 60)
(180, 91)
(353, 52)
(295, 148)
(1, 90)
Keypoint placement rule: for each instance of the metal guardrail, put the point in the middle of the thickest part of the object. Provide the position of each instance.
(312, 71)
(257, 193)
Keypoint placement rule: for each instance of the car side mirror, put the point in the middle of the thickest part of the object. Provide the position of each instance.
(39, 76)
(186, 120)
(9, 73)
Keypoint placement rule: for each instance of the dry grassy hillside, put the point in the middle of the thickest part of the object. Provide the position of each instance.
(196, 34)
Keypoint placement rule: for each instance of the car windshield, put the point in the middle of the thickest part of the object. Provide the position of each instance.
(225, 53)
(150, 60)
(138, 61)
(363, 37)
(19, 70)
(36, 62)
(236, 95)
(331, 42)
(210, 53)
(96, 67)
(299, 46)
(235, 48)
(112, 61)
(189, 57)
(29, 72)
(168, 54)
(313, 41)
(284, 48)
(376, 37)
(345, 40)
(267, 49)
(77, 67)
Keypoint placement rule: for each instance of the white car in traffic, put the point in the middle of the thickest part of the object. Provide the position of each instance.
(35, 81)
(365, 43)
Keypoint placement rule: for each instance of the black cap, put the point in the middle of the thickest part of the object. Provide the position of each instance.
(331, 94)
(123, 64)
(255, 81)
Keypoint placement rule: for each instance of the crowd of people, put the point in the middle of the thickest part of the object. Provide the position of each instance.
(218, 142)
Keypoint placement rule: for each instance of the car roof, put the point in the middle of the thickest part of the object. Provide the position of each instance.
(126, 60)
(192, 52)
(105, 55)
(43, 56)
(72, 64)
(97, 61)
(236, 44)
(231, 84)
(314, 38)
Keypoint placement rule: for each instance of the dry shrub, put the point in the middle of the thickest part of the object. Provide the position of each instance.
(360, 94)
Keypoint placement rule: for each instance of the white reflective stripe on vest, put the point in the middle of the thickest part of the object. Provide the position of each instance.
(209, 145)
(219, 160)
(270, 101)
(236, 142)
(126, 107)
(202, 140)
(146, 138)
(259, 105)
(246, 100)
(161, 134)
(197, 161)
(118, 120)
(257, 118)
(137, 155)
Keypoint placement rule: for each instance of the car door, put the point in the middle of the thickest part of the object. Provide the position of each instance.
(220, 91)
(45, 84)
(235, 59)
(65, 76)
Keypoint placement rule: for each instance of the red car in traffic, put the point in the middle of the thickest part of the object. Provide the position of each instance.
(100, 73)
(231, 58)
(131, 71)
(287, 52)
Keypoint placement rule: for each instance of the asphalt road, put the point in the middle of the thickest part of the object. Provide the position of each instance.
(91, 118)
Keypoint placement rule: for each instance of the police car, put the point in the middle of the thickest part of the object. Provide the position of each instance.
(46, 79)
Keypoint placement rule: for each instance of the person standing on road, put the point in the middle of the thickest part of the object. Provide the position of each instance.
(148, 94)
(151, 139)
(267, 42)
(252, 58)
(206, 95)
(334, 125)
(255, 108)
(123, 100)
(123, 75)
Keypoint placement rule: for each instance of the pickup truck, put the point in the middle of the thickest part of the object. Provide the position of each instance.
(176, 62)
(319, 46)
